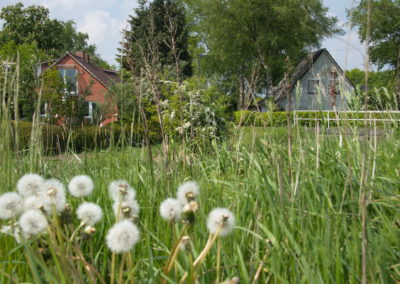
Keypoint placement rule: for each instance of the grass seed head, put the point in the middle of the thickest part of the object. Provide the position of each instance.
(81, 186)
(10, 205)
(220, 219)
(30, 185)
(122, 236)
(33, 222)
(89, 213)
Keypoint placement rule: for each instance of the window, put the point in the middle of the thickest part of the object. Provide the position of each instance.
(313, 86)
(69, 77)
(91, 111)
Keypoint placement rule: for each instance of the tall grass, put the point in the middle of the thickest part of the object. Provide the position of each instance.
(343, 190)
(307, 231)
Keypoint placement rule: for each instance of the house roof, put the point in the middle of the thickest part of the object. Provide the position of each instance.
(105, 77)
(304, 65)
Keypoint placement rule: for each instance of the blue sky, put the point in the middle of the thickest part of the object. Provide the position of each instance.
(103, 20)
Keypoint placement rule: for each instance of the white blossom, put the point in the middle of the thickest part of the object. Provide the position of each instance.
(170, 209)
(127, 209)
(30, 184)
(89, 213)
(10, 205)
(220, 219)
(80, 186)
(188, 191)
(33, 222)
(122, 236)
(120, 190)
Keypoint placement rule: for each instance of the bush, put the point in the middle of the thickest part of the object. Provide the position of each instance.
(57, 139)
(309, 118)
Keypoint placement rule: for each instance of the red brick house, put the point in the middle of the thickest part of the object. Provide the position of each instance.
(84, 77)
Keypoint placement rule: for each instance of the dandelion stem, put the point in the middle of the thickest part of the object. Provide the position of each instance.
(218, 260)
(121, 269)
(130, 269)
(174, 252)
(211, 239)
(76, 231)
(112, 268)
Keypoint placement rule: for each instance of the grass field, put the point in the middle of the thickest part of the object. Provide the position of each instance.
(303, 215)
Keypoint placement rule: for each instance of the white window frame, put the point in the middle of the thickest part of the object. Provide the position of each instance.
(65, 81)
(90, 116)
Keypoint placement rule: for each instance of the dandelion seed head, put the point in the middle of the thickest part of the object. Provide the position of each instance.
(170, 209)
(30, 185)
(188, 191)
(35, 202)
(54, 189)
(220, 217)
(81, 186)
(121, 190)
(33, 222)
(122, 236)
(89, 213)
(10, 205)
(128, 209)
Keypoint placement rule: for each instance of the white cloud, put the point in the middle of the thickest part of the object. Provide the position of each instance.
(99, 25)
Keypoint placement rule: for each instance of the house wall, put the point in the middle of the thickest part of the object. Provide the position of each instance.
(322, 71)
(86, 82)
(96, 91)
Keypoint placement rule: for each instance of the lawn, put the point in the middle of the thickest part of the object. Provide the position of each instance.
(303, 214)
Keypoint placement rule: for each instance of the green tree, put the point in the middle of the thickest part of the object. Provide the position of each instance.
(29, 58)
(33, 24)
(157, 31)
(381, 84)
(247, 41)
(384, 31)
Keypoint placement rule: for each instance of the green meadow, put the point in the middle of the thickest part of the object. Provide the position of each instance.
(316, 212)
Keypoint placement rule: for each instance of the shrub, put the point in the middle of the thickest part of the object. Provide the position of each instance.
(309, 118)
(58, 139)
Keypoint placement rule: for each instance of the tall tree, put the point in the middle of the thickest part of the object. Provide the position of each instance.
(384, 30)
(157, 28)
(54, 37)
(247, 41)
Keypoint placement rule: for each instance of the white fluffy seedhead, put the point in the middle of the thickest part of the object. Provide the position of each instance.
(170, 209)
(122, 236)
(30, 185)
(35, 202)
(81, 186)
(54, 189)
(33, 222)
(127, 209)
(120, 190)
(222, 220)
(188, 191)
(89, 213)
(53, 196)
(10, 205)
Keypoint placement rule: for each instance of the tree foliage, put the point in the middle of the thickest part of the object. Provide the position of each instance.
(54, 37)
(384, 30)
(247, 41)
(157, 35)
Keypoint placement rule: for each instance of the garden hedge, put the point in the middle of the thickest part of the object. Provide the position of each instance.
(309, 118)
(57, 139)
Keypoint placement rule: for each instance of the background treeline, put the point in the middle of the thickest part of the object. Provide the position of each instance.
(187, 65)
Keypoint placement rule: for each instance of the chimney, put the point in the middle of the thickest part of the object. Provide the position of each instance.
(84, 56)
